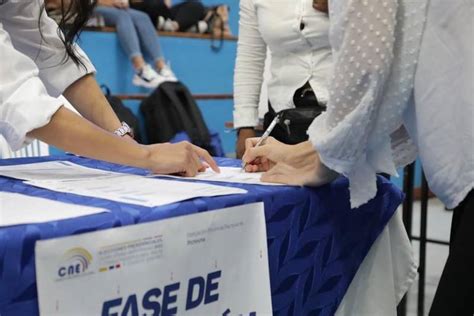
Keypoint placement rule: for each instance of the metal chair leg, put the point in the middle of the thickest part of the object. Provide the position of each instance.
(423, 241)
(408, 187)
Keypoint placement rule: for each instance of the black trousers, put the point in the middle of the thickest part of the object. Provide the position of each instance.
(186, 14)
(455, 293)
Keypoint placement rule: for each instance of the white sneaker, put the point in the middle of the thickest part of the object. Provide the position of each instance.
(167, 73)
(170, 26)
(148, 78)
(160, 23)
(201, 27)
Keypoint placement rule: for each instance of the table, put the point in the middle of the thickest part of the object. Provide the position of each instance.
(316, 243)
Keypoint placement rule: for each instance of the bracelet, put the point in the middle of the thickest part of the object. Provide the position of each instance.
(123, 130)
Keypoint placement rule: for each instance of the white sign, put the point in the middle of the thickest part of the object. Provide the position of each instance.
(212, 263)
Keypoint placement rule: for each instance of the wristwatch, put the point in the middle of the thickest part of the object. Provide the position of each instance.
(123, 130)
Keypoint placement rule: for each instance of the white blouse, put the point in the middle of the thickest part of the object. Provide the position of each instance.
(298, 40)
(33, 70)
(376, 47)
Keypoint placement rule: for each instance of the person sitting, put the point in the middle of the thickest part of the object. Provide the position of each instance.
(135, 30)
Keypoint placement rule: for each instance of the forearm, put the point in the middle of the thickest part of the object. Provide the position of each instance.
(86, 96)
(72, 133)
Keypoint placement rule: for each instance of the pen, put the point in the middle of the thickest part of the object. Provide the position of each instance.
(265, 135)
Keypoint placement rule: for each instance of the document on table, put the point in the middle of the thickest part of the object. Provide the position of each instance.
(137, 189)
(230, 175)
(17, 209)
(63, 176)
(53, 170)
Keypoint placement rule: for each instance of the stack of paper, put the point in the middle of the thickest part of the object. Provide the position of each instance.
(230, 175)
(71, 178)
(17, 209)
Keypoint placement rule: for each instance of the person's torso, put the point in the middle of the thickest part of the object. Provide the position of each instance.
(298, 38)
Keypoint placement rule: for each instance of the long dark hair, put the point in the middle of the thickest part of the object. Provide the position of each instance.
(74, 15)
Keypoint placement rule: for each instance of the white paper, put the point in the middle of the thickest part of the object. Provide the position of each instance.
(217, 260)
(64, 176)
(17, 209)
(137, 190)
(230, 175)
(53, 170)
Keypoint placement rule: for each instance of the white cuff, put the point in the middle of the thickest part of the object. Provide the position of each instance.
(246, 117)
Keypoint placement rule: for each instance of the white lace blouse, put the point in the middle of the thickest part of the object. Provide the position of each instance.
(376, 45)
(375, 49)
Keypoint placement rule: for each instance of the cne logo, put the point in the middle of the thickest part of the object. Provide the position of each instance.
(75, 262)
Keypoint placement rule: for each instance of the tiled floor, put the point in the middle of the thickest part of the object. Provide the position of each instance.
(439, 225)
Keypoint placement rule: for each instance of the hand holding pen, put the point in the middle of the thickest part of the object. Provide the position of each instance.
(265, 135)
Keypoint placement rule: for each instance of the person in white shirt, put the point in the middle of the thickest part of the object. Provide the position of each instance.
(402, 84)
(38, 65)
(297, 38)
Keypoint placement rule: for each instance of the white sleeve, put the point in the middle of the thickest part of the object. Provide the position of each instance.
(376, 46)
(21, 19)
(24, 102)
(362, 37)
(249, 67)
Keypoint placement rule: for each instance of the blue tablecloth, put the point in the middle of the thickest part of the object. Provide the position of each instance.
(315, 241)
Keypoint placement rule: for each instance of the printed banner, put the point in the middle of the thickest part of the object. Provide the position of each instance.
(211, 263)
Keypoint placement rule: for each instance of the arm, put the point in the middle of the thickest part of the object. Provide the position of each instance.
(73, 133)
(362, 36)
(341, 139)
(45, 48)
(248, 78)
(89, 100)
(26, 110)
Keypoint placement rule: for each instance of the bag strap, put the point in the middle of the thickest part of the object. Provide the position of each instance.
(171, 94)
(105, 89)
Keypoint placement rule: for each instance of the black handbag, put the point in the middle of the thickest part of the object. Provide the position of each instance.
(293, 123)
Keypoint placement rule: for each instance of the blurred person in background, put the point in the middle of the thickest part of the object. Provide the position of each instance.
(135, 30)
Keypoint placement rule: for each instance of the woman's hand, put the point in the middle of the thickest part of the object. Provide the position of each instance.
(182, 158)
(289, 164)
(264, 157)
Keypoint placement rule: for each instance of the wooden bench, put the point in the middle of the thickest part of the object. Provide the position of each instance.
(109, 29)
(140, 97)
